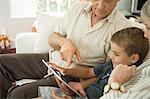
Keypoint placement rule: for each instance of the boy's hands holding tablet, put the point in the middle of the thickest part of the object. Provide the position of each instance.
(54, 66)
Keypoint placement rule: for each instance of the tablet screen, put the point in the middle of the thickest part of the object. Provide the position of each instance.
(60, 76)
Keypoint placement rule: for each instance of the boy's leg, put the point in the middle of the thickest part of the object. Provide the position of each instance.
(15, 67)
(29, 91)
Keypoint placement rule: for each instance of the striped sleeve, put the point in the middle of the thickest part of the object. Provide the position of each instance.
(138, 91)
(131, 94)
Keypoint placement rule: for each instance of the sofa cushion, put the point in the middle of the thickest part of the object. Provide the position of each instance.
(25, 42)
(45, 27)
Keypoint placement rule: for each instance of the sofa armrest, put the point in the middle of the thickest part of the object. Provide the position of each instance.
(25, 42)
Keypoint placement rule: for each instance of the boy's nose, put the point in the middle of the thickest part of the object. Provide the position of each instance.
(147, 34)
(110, 56)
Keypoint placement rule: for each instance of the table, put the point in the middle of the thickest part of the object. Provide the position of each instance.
(7, 50)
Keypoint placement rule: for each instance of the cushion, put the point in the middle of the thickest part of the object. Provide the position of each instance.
(45, 27)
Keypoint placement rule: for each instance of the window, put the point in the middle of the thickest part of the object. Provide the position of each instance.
(54, 6)
(22, 8)
(27, 8)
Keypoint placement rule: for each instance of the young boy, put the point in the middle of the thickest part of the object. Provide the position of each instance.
(128, 47)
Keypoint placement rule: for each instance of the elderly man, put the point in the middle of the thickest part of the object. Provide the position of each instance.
(83, 35)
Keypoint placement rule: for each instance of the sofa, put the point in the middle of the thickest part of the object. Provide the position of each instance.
(37, 42)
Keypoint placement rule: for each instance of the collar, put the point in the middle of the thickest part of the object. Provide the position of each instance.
(88, 8)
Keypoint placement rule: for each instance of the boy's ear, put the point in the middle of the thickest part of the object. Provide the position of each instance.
(135, 58)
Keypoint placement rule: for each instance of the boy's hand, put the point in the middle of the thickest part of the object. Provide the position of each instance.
(64, 88)
(53, 65)
(78, 87)
(55, 96)
(122, 73)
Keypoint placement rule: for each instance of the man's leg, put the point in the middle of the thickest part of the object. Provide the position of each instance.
(4, 86)
(20, 66)
(29, 91)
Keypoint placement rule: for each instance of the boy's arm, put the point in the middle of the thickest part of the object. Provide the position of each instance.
(88, 82)
(79, 72)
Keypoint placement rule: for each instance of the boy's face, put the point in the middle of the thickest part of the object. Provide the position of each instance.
(119, 56)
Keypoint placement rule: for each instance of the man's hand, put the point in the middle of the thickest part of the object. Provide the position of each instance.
(122, 73)
(76, 85)
(68, 50)
(66, 47)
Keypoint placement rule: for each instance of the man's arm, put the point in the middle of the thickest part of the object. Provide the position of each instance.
(56, 40)
(67, 48)
(140, 89)
(120, 74)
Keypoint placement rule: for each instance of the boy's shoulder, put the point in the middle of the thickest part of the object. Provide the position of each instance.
(103, 68)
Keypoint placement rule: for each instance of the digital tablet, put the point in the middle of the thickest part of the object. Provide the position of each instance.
(59, 75)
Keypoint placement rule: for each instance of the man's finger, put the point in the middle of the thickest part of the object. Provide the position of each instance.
(61, 56)
(69, 59)
(78, 56)
(133, 70)
(133, 66)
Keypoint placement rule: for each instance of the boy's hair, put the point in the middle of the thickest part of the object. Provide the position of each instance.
(132, 40)
(146, 8)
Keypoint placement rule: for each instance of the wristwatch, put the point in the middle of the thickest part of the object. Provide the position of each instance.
(114, 86)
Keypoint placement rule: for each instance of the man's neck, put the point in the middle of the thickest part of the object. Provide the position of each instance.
(95, 19)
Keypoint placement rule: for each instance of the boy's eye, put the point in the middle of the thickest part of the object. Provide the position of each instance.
(108, 1)
(116, 54)
(148, 28)
(104, 0)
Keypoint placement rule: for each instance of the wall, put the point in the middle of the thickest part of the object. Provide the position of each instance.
(13, 26)
(125, 6)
